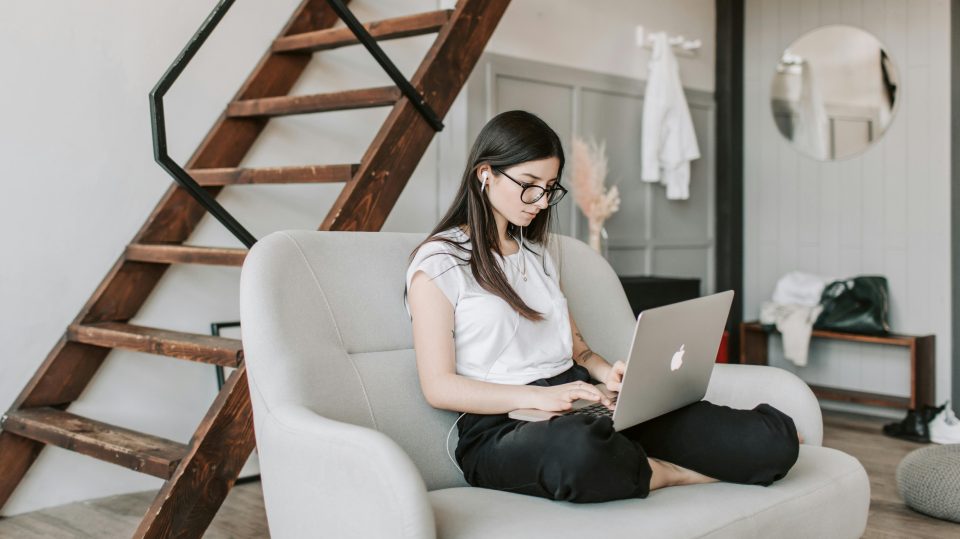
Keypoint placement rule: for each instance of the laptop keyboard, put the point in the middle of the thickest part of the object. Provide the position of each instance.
(596, 410)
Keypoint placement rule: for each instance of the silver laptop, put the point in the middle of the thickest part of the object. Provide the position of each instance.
(671, 359)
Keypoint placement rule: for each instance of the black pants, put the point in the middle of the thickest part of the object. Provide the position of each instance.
(579, 458)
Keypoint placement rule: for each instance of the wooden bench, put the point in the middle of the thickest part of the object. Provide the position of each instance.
(753, 351)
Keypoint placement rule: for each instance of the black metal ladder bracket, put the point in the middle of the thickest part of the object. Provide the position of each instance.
(158, 125)
(381, 57)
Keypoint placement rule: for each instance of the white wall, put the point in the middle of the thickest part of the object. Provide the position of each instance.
(884, 211)
(79, 177)
(599, 35)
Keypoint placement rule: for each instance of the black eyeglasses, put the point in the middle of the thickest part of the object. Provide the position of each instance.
(532, 192)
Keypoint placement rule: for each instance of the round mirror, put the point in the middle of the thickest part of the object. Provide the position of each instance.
(834, 92)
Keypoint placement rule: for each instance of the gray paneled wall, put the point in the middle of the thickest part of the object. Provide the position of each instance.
(885, 211)
(650, 234)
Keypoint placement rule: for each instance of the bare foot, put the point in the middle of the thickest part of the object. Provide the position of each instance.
(667, 474)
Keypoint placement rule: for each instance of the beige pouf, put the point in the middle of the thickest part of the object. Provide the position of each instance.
(928, 480)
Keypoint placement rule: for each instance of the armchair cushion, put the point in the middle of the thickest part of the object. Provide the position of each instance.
(826, 494)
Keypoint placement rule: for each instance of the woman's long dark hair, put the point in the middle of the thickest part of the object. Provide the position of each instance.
(508, 139)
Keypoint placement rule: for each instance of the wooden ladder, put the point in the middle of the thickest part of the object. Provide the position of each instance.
(200, 473)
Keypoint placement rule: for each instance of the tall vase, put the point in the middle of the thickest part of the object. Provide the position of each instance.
(604, 243)
(594, 238)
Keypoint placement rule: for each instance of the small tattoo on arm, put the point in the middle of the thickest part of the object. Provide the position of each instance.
(584, 356)
(453, 334)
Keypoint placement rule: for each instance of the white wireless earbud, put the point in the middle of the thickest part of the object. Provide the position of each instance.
(484, 184)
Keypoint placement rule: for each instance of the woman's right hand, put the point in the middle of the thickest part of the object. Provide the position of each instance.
(560, 398)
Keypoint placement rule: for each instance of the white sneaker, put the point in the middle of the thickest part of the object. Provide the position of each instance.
(945, 427)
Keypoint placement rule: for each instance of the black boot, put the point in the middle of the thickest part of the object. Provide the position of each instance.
(913, 427)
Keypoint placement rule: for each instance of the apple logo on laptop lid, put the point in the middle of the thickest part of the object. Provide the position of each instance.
(677, 360)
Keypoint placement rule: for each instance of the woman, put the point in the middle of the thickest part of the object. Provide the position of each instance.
(492, 333)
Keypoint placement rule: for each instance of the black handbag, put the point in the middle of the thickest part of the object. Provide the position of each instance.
(857, 305)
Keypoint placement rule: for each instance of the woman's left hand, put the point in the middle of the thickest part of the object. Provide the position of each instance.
(614, 378)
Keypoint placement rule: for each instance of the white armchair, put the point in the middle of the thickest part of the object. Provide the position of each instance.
(349, 447)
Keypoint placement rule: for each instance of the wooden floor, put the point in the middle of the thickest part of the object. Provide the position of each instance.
(860, 436)
(242, 515)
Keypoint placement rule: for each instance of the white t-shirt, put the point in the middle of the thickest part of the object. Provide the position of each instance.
(493, 342)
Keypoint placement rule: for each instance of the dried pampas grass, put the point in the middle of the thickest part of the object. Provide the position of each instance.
(588, 175)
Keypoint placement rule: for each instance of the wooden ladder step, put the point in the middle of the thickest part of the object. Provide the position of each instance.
(305, 174)
(190, 346)
(304, 104)
(185, 254)
(135, 450)
(410, 25)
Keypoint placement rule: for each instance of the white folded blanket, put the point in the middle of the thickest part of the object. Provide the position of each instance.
(795, 323)
(794, 309)
(799, 288)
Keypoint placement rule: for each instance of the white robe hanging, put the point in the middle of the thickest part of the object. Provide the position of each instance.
(668, 141)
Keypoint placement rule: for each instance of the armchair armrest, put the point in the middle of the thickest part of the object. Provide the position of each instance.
(745, 386)
(327, 478)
